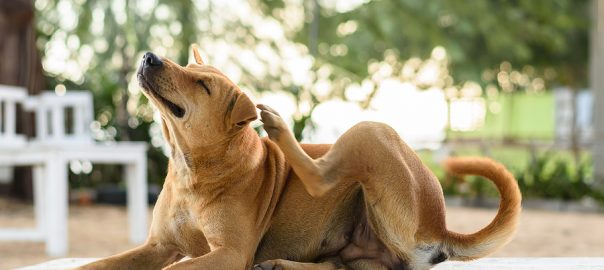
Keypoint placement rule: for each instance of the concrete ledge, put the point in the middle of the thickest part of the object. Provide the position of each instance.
(482, 264)
(563, 263)
(59, 264)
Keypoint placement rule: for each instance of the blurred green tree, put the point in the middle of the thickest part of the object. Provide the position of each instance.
(544, 40)
(513, 45)
(478, 35)
(105, 39)
(96, 45)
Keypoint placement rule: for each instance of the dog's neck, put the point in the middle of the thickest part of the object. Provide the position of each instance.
(214, 163)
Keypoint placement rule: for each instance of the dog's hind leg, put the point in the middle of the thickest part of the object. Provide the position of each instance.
(392, 177)
(305, 167)
(147, 256)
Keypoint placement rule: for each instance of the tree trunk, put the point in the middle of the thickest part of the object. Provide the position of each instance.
(20, 65)
(597, 86)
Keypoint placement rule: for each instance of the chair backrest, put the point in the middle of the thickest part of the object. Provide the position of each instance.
(62, 119)
(10, 96)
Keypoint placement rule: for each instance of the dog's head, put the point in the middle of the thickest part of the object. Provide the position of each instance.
(199, 105)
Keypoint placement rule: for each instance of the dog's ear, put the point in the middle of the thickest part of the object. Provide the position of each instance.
(196, 55)
(243, 111)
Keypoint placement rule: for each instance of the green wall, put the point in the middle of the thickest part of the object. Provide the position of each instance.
(522, 116)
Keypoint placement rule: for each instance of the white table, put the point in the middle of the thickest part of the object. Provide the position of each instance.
(51, 187)
(585, 263)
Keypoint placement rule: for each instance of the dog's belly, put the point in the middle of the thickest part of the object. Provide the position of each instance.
(304, 228)
(332, 227)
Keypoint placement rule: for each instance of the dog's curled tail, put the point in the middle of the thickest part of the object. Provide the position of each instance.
(499, 232)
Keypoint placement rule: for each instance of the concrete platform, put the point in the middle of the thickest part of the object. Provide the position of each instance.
(582, 263)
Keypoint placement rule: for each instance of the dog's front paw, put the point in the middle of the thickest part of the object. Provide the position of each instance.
(273, 123)
(269, 265)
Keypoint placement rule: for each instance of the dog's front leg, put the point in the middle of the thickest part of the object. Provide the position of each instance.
(231, 234)
(220, 258)
(151, 255)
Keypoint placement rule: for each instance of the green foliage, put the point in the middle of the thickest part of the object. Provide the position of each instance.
(549, 175)
(104, 41)
(541, 38)
(478, 35)
(553, 176)
(115, 33)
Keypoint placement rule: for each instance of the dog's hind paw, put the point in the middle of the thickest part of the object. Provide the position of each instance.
(268, 265)
(273, 123)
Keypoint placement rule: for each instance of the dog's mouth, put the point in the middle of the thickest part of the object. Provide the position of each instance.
(178, 111)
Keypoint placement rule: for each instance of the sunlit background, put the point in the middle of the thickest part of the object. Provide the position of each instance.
(505, 79)
(436, 72)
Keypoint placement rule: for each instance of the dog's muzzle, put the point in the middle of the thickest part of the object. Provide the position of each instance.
(151, 60)
(150, 63)
(146, 71)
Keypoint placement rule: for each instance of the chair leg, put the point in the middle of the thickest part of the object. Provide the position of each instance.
(136, 177)
(56, 206)
(38, 175)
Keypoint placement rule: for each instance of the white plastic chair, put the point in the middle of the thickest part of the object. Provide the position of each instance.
(49, 154)
(51, 113)
(10, 96)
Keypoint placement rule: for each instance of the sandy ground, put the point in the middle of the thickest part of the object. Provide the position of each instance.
(98, 231)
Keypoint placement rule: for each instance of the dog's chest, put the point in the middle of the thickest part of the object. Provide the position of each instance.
(186, 233)
(181, 219)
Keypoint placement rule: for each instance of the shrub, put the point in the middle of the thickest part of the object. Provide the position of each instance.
(554, 176)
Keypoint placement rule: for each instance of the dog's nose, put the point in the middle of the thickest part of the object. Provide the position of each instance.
(151, 60)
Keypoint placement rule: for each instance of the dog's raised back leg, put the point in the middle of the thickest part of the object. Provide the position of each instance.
(148, 256)
(393, 179)
(403, 199)
(310, 171)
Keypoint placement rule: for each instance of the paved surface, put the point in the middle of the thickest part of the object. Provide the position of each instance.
(569, 263)
(98, 231)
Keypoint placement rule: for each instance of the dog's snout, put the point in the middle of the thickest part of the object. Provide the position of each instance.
(151, 60)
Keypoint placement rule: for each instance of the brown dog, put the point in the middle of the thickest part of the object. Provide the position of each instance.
(233, 200)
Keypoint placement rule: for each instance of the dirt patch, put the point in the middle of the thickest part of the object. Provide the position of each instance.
(98, 231)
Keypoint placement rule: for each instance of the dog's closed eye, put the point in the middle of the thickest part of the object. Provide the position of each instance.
(205, 87)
